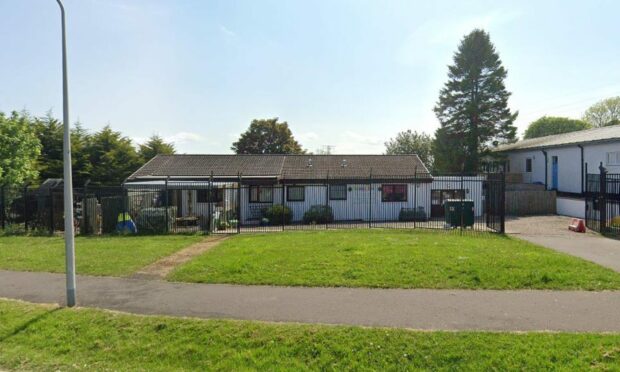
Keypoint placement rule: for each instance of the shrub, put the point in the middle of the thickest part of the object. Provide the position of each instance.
(319, 214)
(278, 214)
(411, 214)
(153, 220)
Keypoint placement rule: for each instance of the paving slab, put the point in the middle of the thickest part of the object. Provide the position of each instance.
(490, 310)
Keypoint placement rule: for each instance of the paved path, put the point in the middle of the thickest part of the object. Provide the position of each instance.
(161, 268)
(552, 232)
(418, 309)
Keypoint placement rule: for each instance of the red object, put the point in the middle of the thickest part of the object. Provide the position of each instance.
(577, 225)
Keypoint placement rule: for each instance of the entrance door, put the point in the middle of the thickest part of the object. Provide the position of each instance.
(438, 198)
(554, 172)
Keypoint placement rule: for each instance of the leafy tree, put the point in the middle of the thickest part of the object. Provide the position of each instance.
(267, 136)
(549, 125)
(604, 113)
(447, 149)
(50, 162)
(155, 146)
(19, 149)
(411, 142)
(473, 105)
(113, 156)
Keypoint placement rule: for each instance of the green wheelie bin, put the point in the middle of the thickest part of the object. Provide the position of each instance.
(459, 211)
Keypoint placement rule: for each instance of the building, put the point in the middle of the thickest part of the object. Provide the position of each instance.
(561, 162)
(378, 188)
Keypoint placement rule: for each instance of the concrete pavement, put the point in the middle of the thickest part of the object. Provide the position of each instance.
(419, 309)
(552, 232)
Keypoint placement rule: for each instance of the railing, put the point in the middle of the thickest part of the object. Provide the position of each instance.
(603, 202)
(245, 205)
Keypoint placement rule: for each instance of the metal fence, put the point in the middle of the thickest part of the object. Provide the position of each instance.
(467, 202)
(603, 202)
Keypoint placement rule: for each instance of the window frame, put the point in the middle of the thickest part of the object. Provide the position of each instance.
(288, 193)
(258, 194)
(338, 185)
(530, 162)
(608, 158)
(392, 185)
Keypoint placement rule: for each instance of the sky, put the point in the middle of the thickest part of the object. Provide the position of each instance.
(346, 73)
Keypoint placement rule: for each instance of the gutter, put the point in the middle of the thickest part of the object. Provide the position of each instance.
(546, 166)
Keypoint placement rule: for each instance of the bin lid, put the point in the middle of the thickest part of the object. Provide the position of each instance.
(458, 201)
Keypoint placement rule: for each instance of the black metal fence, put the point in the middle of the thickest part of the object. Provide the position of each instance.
(603, 202)
(472, 202)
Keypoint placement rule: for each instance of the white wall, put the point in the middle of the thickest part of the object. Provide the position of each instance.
(571, 207)
(569, 168)
(472, 186)
(595, 154)
(517, 165)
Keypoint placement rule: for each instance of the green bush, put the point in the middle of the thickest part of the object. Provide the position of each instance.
(153, 220)
(411, 214)
(319, 214)
(278, 214)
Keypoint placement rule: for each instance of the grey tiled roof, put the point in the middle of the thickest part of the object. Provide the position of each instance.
(288, 167)
(573, 138)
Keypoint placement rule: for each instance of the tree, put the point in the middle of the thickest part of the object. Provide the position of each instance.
(604, 113)
(549, 125)
(155, 146)
(411, 142)
(19, 149)
(447, 149)
(473, 105)
(50, 162)
(113, 156)
(267, 136)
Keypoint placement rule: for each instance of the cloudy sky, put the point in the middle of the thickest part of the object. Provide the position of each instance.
(349, 74)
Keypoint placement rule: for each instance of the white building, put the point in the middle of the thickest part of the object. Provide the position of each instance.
(561, 162)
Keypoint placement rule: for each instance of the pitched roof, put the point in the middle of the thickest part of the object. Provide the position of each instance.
(289, 167)
(610, 133)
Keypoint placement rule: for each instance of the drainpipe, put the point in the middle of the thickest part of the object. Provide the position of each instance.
(581, 149)
(545, 153)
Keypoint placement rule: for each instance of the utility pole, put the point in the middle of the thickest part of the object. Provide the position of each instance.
(67, 175)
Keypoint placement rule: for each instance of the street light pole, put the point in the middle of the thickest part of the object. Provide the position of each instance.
(68, 182)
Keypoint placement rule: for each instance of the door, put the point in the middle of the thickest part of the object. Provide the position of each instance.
(554, 172)
(439, 197)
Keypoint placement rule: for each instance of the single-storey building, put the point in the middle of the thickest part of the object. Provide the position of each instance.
(376, 188)
(561, 162)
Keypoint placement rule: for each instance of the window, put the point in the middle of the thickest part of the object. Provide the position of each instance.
(613, 158)
(338, 192)
(394, 193)
(261, 194)
(528, 165)
(295, 193)
(202, 196)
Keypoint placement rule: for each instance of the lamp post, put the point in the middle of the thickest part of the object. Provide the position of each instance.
(68, 182)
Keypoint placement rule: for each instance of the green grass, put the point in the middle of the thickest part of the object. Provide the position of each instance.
(37, 337)
(116, 256)
(393, 259)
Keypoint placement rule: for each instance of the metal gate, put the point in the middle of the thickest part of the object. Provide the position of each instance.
(603, 202)
(495, 202)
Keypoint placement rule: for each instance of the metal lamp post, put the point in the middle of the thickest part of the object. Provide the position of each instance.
(68, 182)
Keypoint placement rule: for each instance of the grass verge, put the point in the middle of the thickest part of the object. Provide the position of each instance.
(393, 259)
(38, 337)
(113, 255)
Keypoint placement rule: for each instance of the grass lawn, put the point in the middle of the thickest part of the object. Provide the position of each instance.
(38, 337)
(116, 256)
(393, 259)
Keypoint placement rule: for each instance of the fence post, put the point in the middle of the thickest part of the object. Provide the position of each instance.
(239, 205)
(2, 207)
(25, 197)
(370, 199)
(283, 206)
(327, 196)
(415, 195)
(209, 209)
(51, 206)
(603, 198)
(85, 209)
(167, 204)
(502, 204)
(462, 195)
